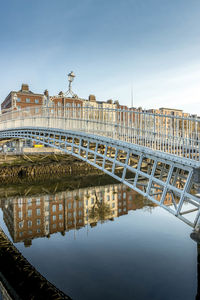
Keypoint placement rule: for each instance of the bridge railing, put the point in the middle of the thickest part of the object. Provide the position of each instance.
(177, 135)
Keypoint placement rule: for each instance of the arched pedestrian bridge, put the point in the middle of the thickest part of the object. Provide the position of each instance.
(156, 155)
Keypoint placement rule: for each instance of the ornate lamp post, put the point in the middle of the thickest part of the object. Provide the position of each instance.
(71, 77)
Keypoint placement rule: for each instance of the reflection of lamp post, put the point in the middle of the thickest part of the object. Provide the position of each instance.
(71, 77)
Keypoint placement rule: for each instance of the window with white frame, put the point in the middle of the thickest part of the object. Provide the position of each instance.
(29, 212)
(29, 223)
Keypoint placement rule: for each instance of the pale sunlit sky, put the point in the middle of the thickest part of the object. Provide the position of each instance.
(152, 46)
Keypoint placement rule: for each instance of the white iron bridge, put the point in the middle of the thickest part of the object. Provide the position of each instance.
(156, 155)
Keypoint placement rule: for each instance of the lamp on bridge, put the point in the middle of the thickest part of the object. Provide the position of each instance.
(71, 77)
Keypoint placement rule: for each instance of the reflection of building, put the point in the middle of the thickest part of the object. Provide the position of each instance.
(24, 217)
(30, 217)
(103, 200)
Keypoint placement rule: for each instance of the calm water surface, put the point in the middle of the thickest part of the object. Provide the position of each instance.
(103, 242)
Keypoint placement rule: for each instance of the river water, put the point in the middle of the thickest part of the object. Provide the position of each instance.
(101, 240)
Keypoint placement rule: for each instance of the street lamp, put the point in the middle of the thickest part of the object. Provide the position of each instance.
(71, 77)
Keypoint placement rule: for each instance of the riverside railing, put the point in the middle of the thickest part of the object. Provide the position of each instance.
(176, 135)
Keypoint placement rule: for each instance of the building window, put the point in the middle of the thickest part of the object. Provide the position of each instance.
(20, 202)
(36, 110)
(21, 234)
(124, 195)
(69, 215)
(38, 230)
(38, 201)
(92, 200)
(54, 218)
(69, 205)
(36, 101)
(60, 217)
(38, 221)
(28, 100)
(113, 205)
(18, 99)
(29, 201)
(60, 206)
(29, 223)
(108, 197)
(21, 224)
(20, 214)
(38, 211)
(54, 226)
(54, 208)
(80, 213)
(29, 212)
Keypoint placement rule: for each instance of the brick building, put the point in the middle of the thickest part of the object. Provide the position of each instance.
(21, 99)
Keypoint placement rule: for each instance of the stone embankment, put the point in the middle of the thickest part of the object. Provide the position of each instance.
(17, 167)
(20, 279)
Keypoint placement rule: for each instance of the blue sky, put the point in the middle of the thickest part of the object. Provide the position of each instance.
(151, 45)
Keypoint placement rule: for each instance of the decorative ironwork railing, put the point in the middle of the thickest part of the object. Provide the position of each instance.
(167, 133)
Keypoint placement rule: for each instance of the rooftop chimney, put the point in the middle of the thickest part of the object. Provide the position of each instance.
(24, 87)
(92, 98)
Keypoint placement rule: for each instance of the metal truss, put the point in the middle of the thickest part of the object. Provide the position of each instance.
(166, 180)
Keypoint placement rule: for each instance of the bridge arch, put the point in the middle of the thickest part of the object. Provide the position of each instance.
(162, 178)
